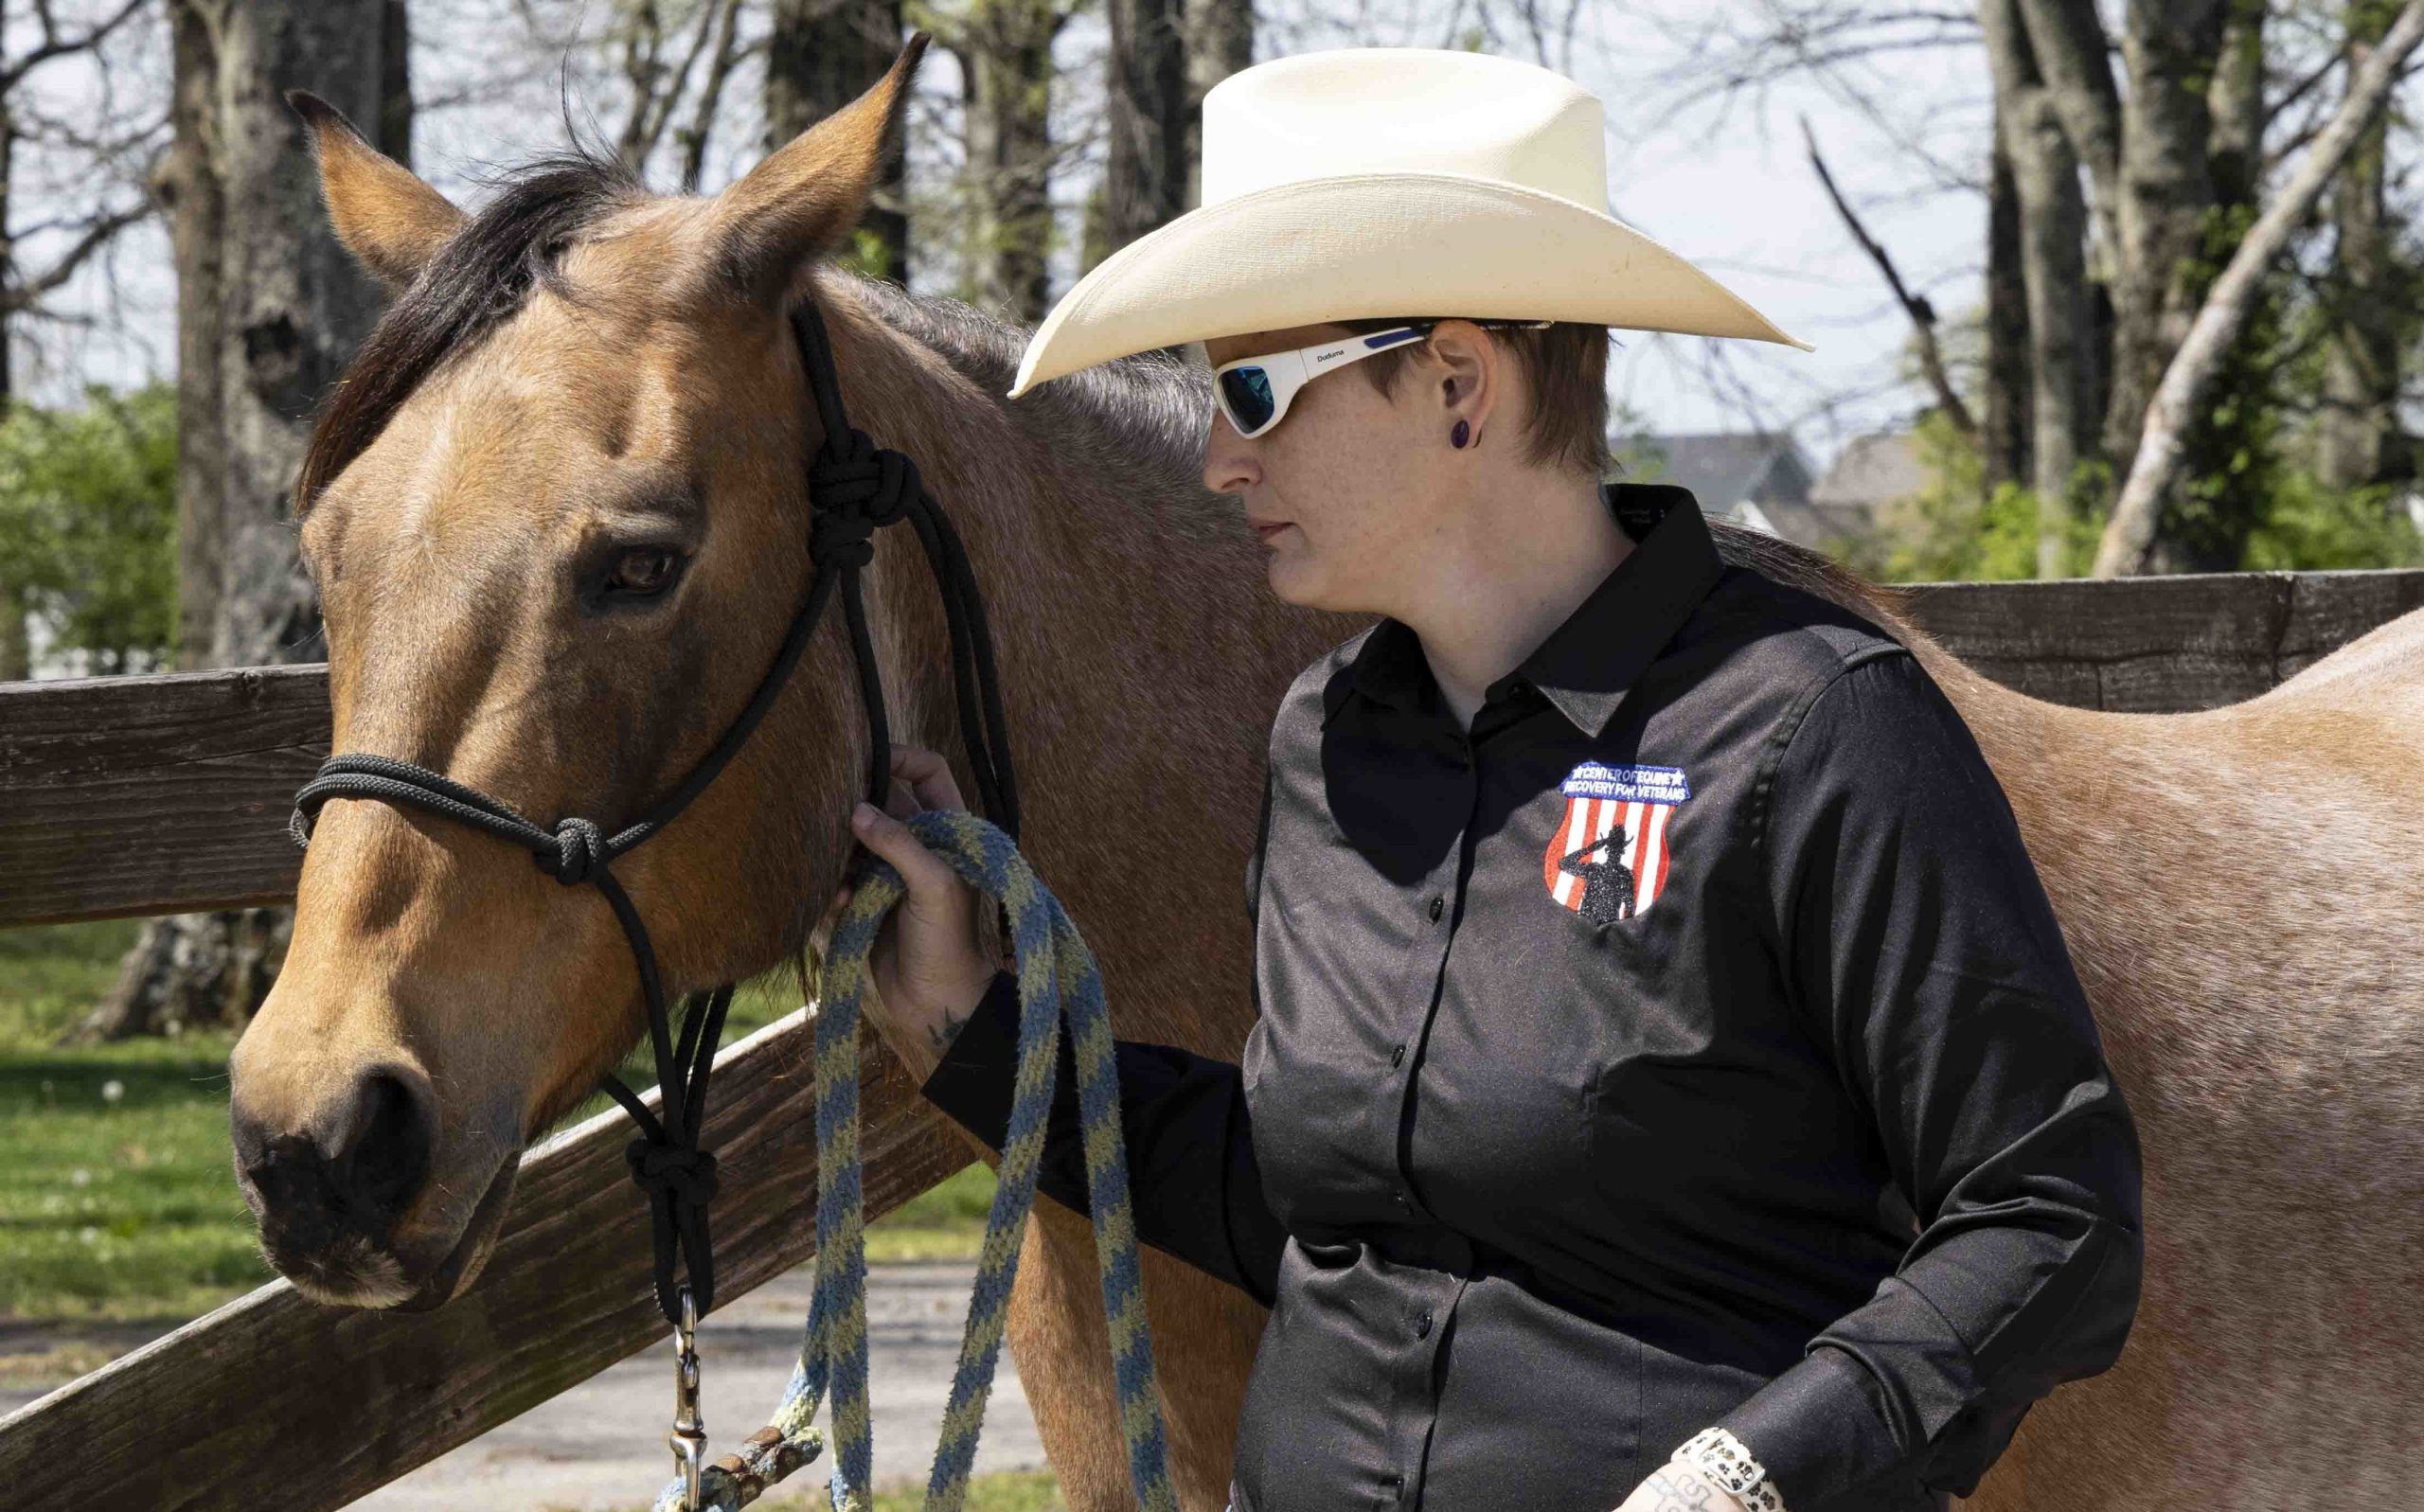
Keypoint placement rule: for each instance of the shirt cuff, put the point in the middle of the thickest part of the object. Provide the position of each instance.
(1818, 1430)
(974, 1082)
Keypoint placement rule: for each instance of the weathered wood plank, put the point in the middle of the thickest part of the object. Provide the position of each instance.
(154, 794)
(2161, 645)
(167, 795)
(273, 1401)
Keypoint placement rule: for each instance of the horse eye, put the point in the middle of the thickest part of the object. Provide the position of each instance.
(642, 570)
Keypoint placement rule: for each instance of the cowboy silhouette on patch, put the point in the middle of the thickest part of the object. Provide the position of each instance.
(1608, 852)
(1607, 881)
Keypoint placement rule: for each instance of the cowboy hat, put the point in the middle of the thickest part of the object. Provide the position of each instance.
(1387, 181)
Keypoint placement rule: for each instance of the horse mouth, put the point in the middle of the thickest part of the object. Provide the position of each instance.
(462, 1264)
(376, 1278)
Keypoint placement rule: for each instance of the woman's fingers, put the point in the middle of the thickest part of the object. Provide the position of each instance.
(926, 873)
(927, 777)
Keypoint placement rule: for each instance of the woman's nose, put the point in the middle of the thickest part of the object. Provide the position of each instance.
(1229, 465)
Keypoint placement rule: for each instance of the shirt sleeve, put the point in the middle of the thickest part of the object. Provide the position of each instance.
(1194, 1183)
(1920, 948)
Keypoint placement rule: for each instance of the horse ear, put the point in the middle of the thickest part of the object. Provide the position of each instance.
(388, 219)
(808, 193)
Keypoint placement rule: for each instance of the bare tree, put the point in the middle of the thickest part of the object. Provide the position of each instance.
(662, 45)
(2367, 300)
(2053, 225)
(1921, 312)
(269, 310)
(2005, 426)
(1144, 182)
(1005, 53)
(2130, 532)
(90, 225)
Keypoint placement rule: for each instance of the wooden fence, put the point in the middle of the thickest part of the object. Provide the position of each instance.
(169, 794)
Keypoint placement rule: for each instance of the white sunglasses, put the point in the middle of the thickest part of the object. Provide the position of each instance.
(1254, 392)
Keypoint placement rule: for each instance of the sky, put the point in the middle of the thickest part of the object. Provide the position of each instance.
(1721, 178)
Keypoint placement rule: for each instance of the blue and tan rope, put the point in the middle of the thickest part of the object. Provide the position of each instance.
(1057, 980)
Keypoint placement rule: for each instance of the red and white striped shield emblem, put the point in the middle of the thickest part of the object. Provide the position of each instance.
(1607, 859)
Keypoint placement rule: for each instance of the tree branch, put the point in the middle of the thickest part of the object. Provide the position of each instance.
(1921, 312)
(2130, 532)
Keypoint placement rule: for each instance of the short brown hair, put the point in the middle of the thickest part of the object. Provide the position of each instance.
(1566, 366)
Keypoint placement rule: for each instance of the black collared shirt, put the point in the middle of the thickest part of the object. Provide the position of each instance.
(1691, 1042)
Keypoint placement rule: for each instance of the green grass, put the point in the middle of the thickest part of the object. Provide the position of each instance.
(117, 1201)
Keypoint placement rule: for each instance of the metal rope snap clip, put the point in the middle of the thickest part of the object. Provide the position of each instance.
(688, 1439)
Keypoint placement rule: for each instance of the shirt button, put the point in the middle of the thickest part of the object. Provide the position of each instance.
(1438, 906)
(1397, 1055)
(1422, 1326)
(1396, 1484)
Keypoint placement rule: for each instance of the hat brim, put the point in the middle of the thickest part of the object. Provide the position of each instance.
(1352, 247)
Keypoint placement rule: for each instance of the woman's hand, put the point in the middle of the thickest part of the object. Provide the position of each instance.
(1676, 1486)
(927, 962)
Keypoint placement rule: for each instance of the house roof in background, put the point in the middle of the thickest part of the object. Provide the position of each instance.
(1721, 468)
(1872, 471)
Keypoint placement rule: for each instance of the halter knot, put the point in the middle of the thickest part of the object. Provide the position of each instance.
(581, 849)
(856, 492)
(689, 1175)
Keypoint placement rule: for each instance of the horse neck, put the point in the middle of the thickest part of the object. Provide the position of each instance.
(1068, 525)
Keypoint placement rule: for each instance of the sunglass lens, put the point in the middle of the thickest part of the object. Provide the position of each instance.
(1247, 392)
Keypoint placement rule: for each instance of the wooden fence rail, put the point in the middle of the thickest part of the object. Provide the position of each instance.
(276, 1402)
(169, 795)
(162, 795)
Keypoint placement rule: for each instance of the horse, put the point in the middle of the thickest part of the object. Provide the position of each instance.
(585, 383)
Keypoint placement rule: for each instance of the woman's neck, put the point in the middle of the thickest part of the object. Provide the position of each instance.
(1535, 548)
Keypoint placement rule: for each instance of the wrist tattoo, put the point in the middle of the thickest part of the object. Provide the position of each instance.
(948, 1030)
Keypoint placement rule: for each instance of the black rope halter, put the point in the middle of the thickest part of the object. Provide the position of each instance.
(855, 488)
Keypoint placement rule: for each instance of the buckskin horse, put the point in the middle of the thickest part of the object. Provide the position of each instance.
(586, 388)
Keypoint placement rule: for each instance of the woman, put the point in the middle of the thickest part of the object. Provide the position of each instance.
(1666, 1050)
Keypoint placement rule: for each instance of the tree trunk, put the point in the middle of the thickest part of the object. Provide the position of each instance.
(1220, 42)
(2004, 438)
(1146, 177)
(2356, 435)
(2167, 188)
(2053, 231)
(16, 641)
(820, 56)
(1007, 66)
(2130, 532)
(9, 276)
(269, 308)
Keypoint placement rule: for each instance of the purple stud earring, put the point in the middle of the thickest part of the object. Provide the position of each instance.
(1460, 434)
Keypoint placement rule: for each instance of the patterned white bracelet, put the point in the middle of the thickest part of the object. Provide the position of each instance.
(1721, 1457)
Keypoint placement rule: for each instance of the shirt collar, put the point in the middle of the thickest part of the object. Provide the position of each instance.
(1588, 661)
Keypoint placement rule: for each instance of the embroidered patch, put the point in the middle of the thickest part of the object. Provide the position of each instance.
(1607, 858)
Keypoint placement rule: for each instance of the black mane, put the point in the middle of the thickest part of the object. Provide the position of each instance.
(477, 279)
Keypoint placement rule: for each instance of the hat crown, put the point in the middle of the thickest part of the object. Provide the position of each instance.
(1403, 110)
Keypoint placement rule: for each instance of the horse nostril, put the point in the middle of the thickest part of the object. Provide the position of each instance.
(351, 1172)
(375, 1170)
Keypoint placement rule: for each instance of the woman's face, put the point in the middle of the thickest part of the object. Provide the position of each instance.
(1346, 491)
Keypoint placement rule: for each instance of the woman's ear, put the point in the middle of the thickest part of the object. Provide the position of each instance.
(1467, 375)
(808, 193)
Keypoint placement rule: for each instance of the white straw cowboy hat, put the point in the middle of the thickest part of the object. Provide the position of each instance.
(1388, 181)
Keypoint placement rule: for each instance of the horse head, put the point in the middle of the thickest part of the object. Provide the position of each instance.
(556, 517)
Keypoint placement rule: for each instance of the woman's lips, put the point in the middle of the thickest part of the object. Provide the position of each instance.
(1268, 528)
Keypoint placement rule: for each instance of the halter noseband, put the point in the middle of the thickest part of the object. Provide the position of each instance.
(854, 489)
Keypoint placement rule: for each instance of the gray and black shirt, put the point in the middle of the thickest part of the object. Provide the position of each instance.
(1688, 1043)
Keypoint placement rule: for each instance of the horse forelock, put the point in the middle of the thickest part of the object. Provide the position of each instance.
(472, 284)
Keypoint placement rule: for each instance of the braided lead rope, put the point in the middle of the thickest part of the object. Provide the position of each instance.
(1057, 979)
